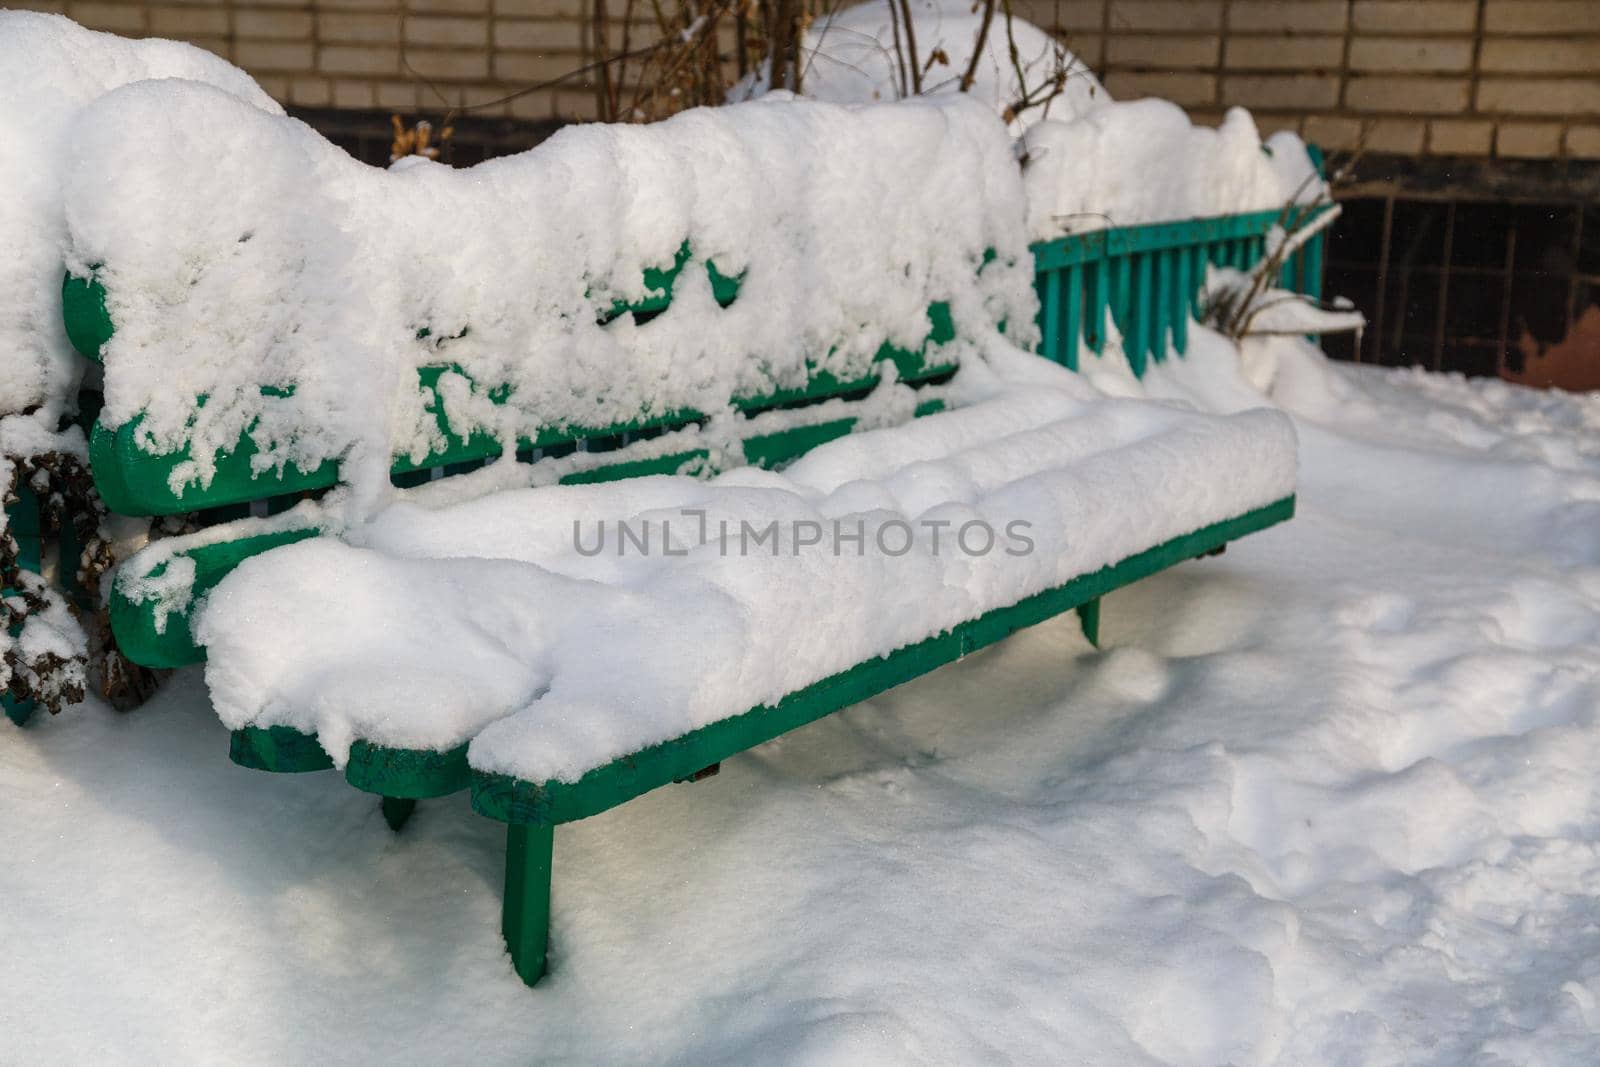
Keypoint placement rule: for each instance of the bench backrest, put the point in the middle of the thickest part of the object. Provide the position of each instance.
(794, 289)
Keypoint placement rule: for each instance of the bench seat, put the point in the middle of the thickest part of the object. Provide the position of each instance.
(486, 652)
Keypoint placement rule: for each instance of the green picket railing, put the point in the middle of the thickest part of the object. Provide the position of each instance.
(1148, 279)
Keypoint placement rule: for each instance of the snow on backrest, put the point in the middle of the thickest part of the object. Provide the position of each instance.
(50, 68)
(313, 300)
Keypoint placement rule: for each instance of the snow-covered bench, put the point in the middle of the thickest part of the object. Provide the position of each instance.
(663, 301)
(654, 297)
(512, 645)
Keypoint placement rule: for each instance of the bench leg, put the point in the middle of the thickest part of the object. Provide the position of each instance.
(396, 810)
(1089, 619)
(18, 711)
(526, 919)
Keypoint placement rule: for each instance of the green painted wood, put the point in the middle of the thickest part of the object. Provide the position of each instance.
(1089, 620)
(1128, 240)
(1161, 305)
(133, 481)
(1143, 313)
(397, 811)
(513, 800)
(1183, 286)
(525, 914)
(774, 449)
(18, 711)
(23, 520)
(414, 774)
(1098, 305)
(639, 468)
(1073, 340)
(136, 482)
(281, 749)
(1121, 293)
(1049, 286)
(170, 644)
(83, 312)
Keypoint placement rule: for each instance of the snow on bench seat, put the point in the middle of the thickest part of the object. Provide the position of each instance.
(508, 623)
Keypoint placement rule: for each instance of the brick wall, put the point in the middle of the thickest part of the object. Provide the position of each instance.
(1514, 79)
(392, 55)
(1517, 79)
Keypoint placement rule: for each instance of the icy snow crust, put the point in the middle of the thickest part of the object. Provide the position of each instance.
(50, 69)
(248, 252)
(485, 619)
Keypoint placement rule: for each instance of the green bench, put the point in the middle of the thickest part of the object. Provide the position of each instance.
(249, 511)
(158, 634)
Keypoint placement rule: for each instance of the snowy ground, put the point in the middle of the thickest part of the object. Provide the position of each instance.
(1332, 798)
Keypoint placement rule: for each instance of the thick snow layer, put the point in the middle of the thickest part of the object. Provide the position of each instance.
(556, 622)
(50, 69)
(1144, 161)
(1326, 800)
(851, 56)
(242, 250)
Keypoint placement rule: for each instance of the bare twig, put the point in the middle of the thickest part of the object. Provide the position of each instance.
(911, 48)
(979, 46)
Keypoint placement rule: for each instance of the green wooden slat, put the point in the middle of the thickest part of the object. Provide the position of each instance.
(1085, 248)
(1161, 305)
(1197, 264)
(1048, 341)
(135, 482)
(134, 621)
(83, 312)
(1182, 292)
(1098, 275)
(513, 800)
(1072, 338)
(281, 749)
(1119, 294)
(640, 468)
(412, 774)
(22, 519)
(1050, 312)
(1143, 308)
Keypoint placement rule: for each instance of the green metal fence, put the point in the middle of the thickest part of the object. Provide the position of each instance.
(1148, 278)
